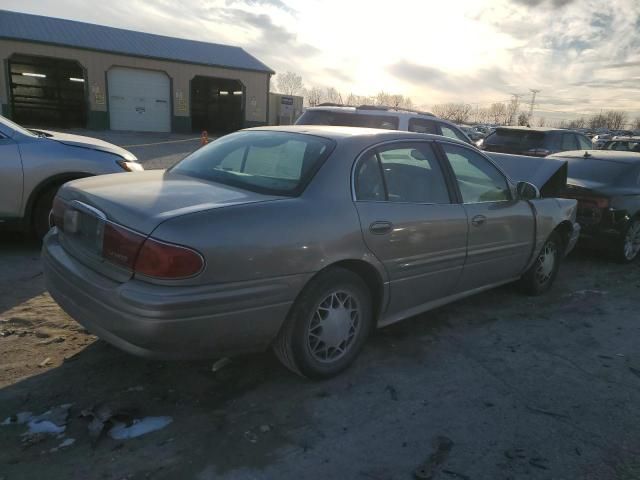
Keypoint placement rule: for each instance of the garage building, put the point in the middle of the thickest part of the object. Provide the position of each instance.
(63, 74)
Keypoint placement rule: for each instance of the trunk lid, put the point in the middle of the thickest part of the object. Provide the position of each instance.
(142, 200)
(139, 202)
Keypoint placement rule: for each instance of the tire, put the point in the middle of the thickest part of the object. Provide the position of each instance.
(628, 248)
(541, 275)
(41, 211)
(307, 344)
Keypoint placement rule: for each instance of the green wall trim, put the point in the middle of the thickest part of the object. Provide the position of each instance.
(181, 124)
(98, 120)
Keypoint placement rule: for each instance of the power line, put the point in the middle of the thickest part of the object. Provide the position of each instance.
(533, 100)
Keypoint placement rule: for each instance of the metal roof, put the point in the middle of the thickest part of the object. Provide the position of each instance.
(69, 33)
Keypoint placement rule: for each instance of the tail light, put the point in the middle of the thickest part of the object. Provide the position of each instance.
(120, 245)
(164, 260)
(148, 256)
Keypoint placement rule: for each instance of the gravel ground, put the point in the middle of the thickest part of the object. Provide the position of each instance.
(498, 386)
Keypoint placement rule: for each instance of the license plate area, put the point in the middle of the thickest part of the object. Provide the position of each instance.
(84, 227)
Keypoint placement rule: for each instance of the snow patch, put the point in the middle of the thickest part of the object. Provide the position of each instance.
(139, 427)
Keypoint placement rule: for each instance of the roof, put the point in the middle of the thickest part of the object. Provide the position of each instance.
(69, 33)
(608, 155)
(534, 129)
(337, 132)
(367, 109)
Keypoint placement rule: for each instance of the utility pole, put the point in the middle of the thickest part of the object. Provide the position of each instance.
(533, 101)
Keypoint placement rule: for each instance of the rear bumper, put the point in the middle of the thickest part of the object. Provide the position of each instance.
(169, 322)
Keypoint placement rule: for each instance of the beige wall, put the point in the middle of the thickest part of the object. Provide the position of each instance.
(97, 64)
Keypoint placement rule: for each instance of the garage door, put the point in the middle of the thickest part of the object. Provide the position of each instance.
(139, 100)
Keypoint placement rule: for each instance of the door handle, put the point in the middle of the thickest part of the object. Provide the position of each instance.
(380, 228)
(478, 220)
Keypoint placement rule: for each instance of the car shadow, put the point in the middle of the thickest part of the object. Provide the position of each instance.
(20, 270)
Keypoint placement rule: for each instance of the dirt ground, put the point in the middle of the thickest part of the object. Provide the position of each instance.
(499, 386)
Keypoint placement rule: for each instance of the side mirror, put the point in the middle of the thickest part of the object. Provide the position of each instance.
(527, 191)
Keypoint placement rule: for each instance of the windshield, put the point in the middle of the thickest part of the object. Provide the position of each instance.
(347, 119)
(601, 171)
(516, 139)
(14, 126)
(278, 163)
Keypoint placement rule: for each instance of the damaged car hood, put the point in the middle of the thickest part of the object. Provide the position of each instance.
(548, 174)
(87, 142)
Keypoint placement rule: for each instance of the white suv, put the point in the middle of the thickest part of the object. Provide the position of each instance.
(381, 117)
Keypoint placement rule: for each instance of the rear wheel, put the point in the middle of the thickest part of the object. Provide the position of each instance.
(327, 325)
(629, 247)
(541, 275)
(41, 211)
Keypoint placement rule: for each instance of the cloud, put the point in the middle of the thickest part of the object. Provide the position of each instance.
(278, 4)
(493, 78)
(538, 3)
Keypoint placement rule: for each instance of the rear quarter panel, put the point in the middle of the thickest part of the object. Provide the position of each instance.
(269, 239)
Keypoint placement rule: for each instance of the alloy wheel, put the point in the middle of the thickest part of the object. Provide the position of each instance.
(546, 262)
(632, 241)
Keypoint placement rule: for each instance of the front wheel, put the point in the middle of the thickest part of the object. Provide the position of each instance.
(541, 275)
(629, 247)
(327, 326)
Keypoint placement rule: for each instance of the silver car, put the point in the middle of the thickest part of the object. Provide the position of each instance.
(301, 238)
(34, 163)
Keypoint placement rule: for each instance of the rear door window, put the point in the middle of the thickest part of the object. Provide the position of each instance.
(404, 173)
(519, 140)
(422, 125)
(568, 142)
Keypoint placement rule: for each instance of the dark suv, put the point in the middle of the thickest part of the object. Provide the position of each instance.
(534, 142)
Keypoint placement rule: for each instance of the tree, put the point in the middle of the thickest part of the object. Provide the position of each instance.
(512, 110)
(497, 112)
(542, 121)
(636, 124)
(523, 119)
(333, 96)
(289, 83)
(315, 96)
(616, 119)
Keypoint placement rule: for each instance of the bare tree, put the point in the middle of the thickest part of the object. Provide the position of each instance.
(512, 110)
(636, 123)
(315, 96)
(616, 119)
(289, 83)
(333, 96)
(497, 113)
(542, 121)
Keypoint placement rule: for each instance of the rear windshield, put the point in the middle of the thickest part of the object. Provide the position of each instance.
(516, 139)
(277, 163)
(346, 119)
(601, 171)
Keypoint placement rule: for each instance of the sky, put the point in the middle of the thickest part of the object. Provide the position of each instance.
(583, 55)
